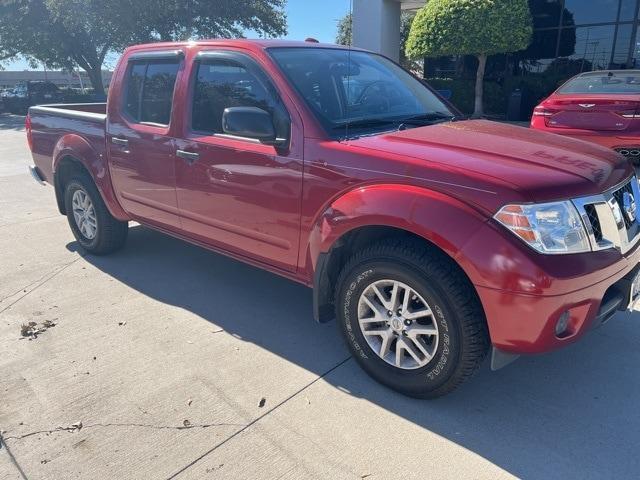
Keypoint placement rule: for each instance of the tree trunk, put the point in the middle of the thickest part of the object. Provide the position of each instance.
(479, 106)
(95, 76)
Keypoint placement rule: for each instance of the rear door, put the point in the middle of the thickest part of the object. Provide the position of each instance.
(139, 137)
(234, 192)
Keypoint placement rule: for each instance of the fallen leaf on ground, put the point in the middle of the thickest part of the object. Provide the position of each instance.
(189, 402)
(31, 330)
(186, 423)
(262, 402)
(122, 324)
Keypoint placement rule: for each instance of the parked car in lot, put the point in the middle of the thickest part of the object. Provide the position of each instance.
(35, 92)
(601, 107)
(431, 239)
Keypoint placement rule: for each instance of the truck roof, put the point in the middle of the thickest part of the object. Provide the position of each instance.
(250, 44)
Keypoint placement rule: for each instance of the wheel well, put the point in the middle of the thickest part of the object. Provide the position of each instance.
(330, 263)
(67, 168)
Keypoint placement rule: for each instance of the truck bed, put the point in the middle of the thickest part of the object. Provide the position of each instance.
(50, 123)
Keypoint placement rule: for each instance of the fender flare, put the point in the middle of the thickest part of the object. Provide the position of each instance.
(442, 220)
(94, 162)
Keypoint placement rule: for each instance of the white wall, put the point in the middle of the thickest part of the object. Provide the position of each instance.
(376, 26)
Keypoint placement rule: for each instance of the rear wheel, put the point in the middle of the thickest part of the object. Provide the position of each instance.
(411, 318)
(93, 226)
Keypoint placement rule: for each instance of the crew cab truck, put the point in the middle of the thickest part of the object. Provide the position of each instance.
(431, 239)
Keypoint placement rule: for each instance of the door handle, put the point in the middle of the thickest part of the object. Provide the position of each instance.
(190, 157)
(120, 141)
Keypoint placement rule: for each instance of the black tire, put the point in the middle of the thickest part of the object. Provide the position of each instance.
(111, 234)
(464, 339)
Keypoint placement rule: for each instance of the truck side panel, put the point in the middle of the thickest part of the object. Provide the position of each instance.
(73, 135)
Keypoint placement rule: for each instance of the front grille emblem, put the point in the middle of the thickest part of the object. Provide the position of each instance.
(629, 204)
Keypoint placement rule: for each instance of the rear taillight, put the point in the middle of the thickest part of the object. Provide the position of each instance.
(27, 127)
(542, 112)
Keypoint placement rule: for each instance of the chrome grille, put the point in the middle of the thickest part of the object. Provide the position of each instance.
(606, 219)
(619, 197)
(593, 220)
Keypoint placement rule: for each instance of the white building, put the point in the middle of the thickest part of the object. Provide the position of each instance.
(376, 24)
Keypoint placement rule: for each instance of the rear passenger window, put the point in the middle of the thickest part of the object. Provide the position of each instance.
(149, 90)
(223, 83)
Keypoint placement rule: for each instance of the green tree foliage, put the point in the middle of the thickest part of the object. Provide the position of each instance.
(80, 33)
(189, 19)
(470, 27)
(344, 35)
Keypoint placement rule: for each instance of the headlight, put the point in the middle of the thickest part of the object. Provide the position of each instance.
(551, 228)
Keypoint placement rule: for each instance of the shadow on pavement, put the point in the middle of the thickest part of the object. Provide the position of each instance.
(11, 122)
(570, 414)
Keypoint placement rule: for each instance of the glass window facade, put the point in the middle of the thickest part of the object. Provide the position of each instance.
(570, 37)
(596, 33)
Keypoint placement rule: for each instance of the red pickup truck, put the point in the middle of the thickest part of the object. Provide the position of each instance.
(431, 239)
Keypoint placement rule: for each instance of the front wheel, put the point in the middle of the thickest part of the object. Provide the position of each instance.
(411, 318)
(91, 223)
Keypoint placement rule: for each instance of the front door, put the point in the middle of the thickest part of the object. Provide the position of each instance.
(141, 149)
(236, 193)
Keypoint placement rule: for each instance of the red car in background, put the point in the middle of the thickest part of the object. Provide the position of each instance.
(601, 107)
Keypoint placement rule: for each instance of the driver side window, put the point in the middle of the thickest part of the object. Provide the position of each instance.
(222, 83)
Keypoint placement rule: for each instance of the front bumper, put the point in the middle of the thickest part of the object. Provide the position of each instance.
(524, 293)
(526, 323)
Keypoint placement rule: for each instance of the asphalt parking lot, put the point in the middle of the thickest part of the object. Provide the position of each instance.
(168, 361)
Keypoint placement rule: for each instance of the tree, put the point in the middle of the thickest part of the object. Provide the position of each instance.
(470, 27)
(170, 20)
(344, 37)
(80, 33)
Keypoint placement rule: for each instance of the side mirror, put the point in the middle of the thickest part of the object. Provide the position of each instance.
(249, 122)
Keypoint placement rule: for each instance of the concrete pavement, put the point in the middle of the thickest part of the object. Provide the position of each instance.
(180, 363)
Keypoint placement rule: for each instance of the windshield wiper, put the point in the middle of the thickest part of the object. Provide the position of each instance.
(429, 119)
(366, 122)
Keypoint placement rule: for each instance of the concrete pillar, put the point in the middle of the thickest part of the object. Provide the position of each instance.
(376, 26)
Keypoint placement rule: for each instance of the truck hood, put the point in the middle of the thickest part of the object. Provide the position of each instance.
(539, 166)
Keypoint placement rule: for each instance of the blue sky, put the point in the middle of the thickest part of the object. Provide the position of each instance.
(306, 18)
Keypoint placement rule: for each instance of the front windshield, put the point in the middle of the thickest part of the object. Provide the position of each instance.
(356, 91)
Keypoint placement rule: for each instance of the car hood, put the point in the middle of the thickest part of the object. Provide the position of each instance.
(539, 166)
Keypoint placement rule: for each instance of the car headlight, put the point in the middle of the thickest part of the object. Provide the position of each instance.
(551, 228)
